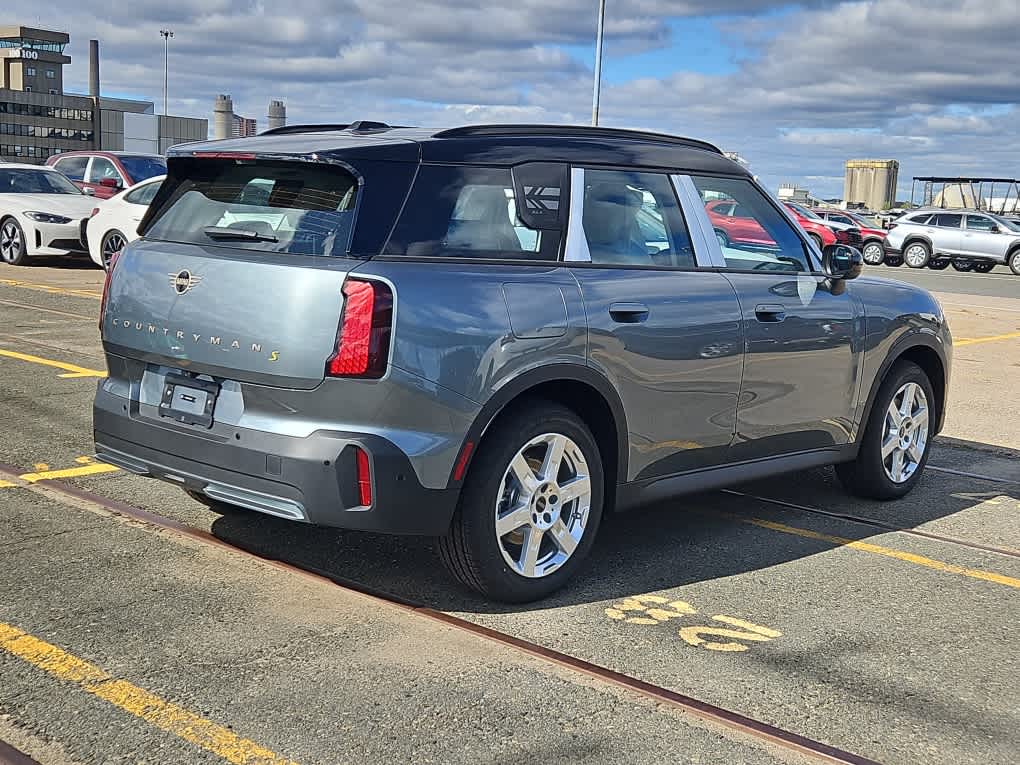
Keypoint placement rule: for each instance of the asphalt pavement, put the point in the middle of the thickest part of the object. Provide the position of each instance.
(1000, 282)
(882, 629)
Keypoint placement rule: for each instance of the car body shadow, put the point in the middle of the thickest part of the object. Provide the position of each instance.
(686, 540)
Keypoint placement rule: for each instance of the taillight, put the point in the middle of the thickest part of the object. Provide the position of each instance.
(94, 213)
(106, 287)
(364, 479)
(363, 343)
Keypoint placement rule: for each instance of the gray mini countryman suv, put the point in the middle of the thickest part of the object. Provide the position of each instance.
(495, 335)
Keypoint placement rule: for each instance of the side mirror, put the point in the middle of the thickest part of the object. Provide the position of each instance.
(110, 183)
(842, 262)
(995, 230)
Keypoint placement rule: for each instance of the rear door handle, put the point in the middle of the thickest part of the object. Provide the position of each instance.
(628, 313)
(772, 313)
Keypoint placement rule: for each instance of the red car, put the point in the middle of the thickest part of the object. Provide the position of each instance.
(731, 225)
(817, 230)
(872, 238)
(106, 173)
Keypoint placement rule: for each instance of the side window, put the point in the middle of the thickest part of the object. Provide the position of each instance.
(757, 237)
(841, 219)
(633, 219)
(103, 168)
(468, 212)
(946, 220)
(980, 223)
(73, 167)
(142, 195)
(920, 219)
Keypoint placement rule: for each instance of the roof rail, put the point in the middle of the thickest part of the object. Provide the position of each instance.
(583, 131)
(360, 126)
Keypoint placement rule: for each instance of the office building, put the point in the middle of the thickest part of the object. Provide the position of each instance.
(871, 182)
(38, 119)
(242, 127)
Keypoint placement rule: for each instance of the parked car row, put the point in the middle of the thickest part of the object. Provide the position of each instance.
(78, 203)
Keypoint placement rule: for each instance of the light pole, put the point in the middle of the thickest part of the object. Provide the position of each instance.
(598, 64)
(166, 34)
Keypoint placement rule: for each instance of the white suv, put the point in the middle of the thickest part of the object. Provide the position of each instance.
(970, 239)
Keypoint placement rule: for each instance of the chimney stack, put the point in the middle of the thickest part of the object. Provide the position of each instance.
(277, 116)
(223, 117)
(94, 68)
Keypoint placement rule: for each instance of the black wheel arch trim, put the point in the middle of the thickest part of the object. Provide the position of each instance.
(905, 343)
(520, 386)
(915, 238)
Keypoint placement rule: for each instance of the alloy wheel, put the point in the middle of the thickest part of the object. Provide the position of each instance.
(542, 511)
(905, 433)
(112, 245)
(916, 255)
(873, 253)
(10, 242)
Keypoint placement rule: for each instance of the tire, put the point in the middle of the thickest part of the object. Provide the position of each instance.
(12, 243)
(722, 238)
(109, 245)
(917, 254)
(869, 475)
(984, 266)
(894, 261)
(963, 266)
(874, 253)
(1014, 262)
(938, 264)
(495, 565)
(817, 240)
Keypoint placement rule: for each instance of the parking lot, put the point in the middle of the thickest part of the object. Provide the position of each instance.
(780, 621)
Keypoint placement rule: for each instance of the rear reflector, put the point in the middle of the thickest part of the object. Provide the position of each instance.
(364, 479)
(462, 461)
(363, 343)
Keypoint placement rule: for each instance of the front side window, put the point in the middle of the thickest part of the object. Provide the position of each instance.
(757, 237)
(467, 212)
(102, 168)
(980, 223)
(141, 167)
(282, 207)
(633, 219)
(946, 220)
(841, 219)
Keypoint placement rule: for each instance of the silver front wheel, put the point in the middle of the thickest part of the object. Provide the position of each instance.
(542, 511)
(905, 434)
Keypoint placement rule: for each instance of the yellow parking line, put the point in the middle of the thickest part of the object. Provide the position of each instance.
(919, 560)
(75, 472)
(71, 370)
(989, 339)
(7, 485)
(136, 701)
(50, 289)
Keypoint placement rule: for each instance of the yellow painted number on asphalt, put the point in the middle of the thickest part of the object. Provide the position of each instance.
(650, 610)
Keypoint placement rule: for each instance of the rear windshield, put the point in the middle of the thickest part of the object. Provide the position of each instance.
(140, 167)
(299, 208)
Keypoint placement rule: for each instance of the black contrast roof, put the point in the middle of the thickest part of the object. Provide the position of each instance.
(477, 144)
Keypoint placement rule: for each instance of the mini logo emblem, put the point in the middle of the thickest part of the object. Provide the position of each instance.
(183, 281)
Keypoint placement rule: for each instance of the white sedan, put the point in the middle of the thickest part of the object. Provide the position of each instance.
(40, 213)
(114, 221)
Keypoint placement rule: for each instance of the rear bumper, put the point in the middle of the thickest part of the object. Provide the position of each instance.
(311, 479)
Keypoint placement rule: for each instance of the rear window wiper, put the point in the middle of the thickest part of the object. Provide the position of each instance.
(221, 232)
